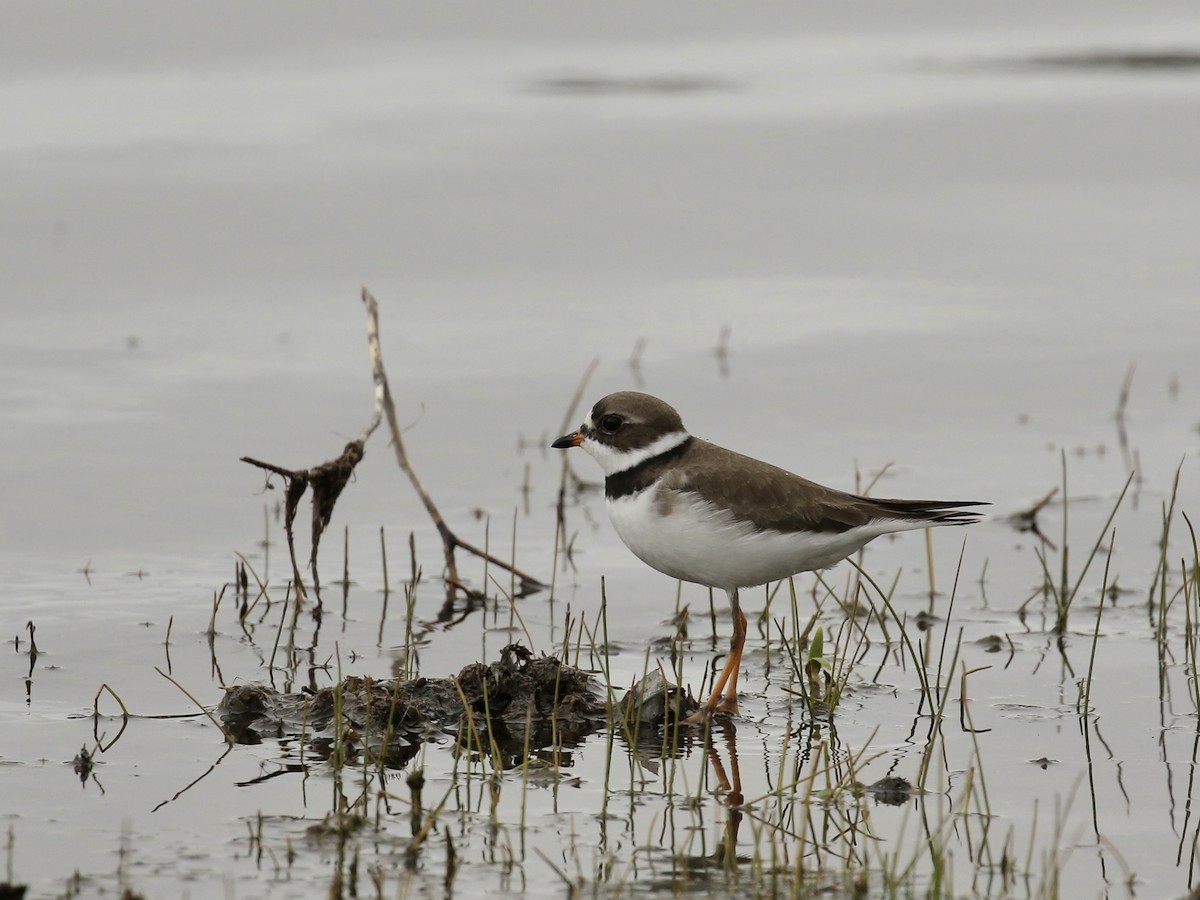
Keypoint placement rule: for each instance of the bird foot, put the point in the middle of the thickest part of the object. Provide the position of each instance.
(702, 716)
(726, 706)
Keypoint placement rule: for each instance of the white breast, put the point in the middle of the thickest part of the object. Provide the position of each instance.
(684, 536)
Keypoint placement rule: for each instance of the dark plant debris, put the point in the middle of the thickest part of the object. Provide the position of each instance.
(891, 791)
(655, 700)
(327, 480)
(1027, 519)
(518, 702)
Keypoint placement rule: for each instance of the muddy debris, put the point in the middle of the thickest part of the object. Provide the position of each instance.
(655, 701)
(891, 791)
(517, 706)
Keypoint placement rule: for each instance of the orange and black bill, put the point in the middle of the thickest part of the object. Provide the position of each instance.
(574, 439)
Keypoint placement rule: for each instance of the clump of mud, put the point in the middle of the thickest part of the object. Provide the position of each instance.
(515, 707)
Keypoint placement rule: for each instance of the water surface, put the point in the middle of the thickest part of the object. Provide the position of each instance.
(930, 248)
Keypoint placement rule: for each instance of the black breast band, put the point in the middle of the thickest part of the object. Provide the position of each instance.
(637, 478)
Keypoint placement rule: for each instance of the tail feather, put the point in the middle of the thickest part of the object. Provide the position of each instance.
(935, 512)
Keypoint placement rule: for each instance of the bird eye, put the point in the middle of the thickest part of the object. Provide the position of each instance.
(612, 424)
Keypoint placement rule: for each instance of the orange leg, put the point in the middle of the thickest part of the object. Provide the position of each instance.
(724, 694)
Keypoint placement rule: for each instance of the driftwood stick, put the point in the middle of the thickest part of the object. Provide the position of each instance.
(377, 373)
(383, 401)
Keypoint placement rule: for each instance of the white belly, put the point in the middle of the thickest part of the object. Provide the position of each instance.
(688, 538)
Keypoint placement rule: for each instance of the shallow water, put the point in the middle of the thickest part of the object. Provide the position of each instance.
(931, 250)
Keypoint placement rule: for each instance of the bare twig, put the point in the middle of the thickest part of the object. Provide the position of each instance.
(383, 400)
(100, 745)
(567, 471)
(225, 733)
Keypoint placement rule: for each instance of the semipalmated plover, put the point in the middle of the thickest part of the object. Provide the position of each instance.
(701, 513)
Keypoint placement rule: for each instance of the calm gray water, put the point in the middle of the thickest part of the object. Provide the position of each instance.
(939, 238)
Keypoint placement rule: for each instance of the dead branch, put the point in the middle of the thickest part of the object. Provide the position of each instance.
(383, 400)
(329, 479)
